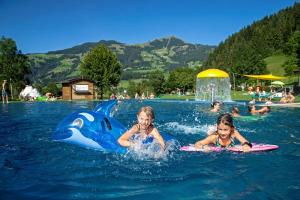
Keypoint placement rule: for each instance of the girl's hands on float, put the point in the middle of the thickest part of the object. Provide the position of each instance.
(246, 146)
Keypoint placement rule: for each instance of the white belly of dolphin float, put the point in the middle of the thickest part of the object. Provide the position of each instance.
(79, 139)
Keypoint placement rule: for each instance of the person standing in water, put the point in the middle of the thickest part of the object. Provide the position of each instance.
(144, 128)
(4, 92)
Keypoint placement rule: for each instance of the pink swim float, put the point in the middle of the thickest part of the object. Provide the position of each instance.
(236, 148)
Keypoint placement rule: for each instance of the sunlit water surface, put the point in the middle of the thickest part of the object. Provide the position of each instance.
(35, 167)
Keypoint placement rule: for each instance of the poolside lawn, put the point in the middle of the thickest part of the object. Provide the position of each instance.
(235, 96)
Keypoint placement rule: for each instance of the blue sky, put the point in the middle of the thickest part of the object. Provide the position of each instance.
(45, 25)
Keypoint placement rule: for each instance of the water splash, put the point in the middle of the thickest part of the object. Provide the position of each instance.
(151, 151)
(213, 89)
(189, 129)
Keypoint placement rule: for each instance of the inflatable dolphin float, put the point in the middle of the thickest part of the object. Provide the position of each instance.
(94, 129)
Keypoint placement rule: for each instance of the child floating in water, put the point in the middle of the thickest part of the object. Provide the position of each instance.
(224, 135)
(144, 128)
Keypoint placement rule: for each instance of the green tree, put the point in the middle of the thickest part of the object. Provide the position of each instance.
(290, 65)
(39, 87)
(139, 87)
(52, 88)
(157, 81)
(14, 66)
(248, 62)
(293, 49)
(103, 67)
(132, 88)
(144, 87)
(182, 78)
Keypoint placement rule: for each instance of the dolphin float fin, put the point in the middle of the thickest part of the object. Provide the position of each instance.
(105, 107)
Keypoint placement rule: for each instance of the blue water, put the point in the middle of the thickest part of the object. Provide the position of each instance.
(35, 167)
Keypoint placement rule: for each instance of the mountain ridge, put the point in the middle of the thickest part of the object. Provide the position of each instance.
(137, 60)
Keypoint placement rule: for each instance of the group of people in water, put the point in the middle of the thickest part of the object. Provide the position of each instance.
(216, 107)
(225, 133)
(224, 136)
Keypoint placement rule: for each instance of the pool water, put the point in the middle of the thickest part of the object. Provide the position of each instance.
(35, 167)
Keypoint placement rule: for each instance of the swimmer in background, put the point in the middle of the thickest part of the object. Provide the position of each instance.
(216, 106)
(264, 110)
(252, 109)
(144, 128)
(224, 136)
(235, 111)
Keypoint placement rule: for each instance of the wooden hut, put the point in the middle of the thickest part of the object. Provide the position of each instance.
(78, 89)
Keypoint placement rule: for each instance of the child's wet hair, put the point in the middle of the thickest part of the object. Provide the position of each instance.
(148, 110)
(235, 109)
(214, 103)
(250, 107)
(226, 119)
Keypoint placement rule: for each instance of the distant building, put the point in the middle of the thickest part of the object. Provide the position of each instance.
(78, 89)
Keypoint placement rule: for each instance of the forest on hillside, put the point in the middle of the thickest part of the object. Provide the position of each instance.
(244, 52)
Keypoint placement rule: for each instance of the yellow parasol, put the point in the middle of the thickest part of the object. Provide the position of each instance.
(277, 83)
(269, 77)
(212, 73)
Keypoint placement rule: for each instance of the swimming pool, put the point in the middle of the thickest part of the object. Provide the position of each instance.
(35, 167)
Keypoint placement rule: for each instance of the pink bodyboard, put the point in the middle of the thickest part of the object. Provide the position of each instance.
(236, 148)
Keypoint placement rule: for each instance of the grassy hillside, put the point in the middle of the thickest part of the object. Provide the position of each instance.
(274, 64)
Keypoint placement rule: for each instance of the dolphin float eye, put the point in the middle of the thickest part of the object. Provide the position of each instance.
(78, 122)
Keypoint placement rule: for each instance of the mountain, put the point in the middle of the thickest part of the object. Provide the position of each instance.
(137, 60)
